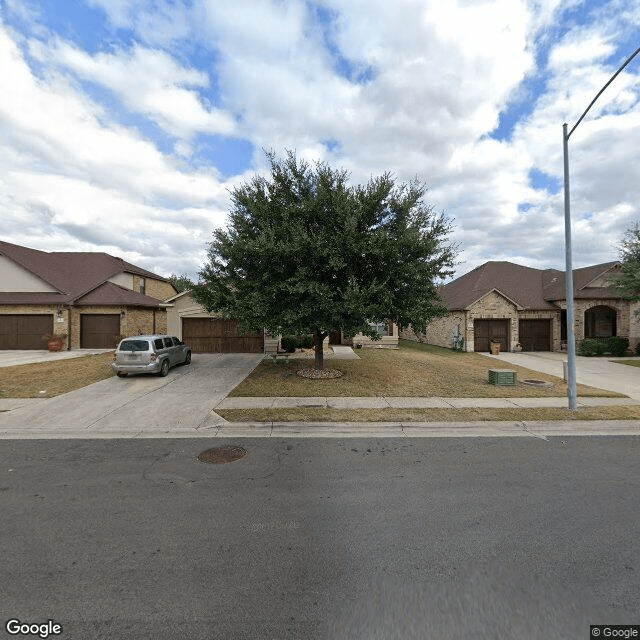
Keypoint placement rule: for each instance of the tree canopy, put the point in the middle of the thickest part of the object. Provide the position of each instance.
(181, 282)
(306, 252)
(629, 279)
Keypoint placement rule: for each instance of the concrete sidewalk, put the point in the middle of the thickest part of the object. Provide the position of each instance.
(15, 357)
(415, 403)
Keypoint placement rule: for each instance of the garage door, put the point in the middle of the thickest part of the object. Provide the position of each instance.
(214, 335)
(535, 335)
(99, 331)
(24, 331)
(486, 329)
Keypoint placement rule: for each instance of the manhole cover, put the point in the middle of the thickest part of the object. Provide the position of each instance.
(221, 455)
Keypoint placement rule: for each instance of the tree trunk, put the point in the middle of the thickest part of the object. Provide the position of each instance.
(319, 361)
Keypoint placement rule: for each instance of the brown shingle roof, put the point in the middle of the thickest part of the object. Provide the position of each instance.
(72, 274)
(521, 284)
(529, 288)
(110, 293)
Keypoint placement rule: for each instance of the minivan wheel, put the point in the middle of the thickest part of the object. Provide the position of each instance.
(164, 369)
(187, 360)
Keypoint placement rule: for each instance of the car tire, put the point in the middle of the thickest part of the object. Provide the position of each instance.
(120, 374)
(164, 368)
(187, 360)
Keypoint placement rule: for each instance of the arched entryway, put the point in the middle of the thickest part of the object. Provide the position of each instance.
(600, 322)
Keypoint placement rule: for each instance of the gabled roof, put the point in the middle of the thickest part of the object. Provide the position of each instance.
(527, 287)
(522, 285)
(110, 293)
(74, 275)
(582, 283)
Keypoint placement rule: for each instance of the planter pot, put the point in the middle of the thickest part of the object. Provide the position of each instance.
(495, 348)
(54, 345)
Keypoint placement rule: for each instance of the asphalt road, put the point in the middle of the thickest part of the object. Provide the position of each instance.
(484, 538)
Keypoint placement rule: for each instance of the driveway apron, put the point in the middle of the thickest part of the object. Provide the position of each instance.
(595, 372)
(183, 399)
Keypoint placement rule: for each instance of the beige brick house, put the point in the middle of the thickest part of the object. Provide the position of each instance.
(93, 298)
(523, 306)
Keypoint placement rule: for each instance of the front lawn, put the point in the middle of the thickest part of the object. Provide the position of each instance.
(631, 363)
(414, 370)
(48, 379)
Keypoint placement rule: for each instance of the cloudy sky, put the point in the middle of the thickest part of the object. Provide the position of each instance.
(124, 124)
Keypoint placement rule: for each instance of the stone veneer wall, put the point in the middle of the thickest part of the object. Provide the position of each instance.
(492, 305)
(556, 326)
(634, 325)
(627, 323)
(157, 289)
(135, 321)
(440, 331)
(60, 322)
(385, 342)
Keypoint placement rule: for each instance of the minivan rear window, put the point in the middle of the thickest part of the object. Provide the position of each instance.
(134, 345)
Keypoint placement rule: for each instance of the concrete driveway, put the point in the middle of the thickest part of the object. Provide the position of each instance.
(182, 401)
(595, 372)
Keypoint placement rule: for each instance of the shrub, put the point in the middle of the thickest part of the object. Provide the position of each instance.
(289, 343)
(590, 348)
(618, 346)
(306, 342)
(638, 349)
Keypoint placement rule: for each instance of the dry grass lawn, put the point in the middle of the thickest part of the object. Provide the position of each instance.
(631, 363)
(428, 415)
(414, 370)
(48, 379)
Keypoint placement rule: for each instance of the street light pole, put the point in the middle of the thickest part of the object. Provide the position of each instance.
(571, 342)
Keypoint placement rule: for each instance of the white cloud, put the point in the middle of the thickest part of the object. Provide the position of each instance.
(147, 81)
(411, 87)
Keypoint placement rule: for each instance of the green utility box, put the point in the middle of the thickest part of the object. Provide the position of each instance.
(502, 377)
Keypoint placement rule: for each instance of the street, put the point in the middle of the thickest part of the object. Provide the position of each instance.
(322, 538)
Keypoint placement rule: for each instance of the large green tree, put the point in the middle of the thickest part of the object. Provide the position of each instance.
(306, 252)
(629, 279)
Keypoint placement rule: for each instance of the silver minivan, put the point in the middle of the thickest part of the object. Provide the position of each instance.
(149, 354)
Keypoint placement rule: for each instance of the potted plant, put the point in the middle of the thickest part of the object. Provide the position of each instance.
(54, 340)
(495, 346)
(518, 347)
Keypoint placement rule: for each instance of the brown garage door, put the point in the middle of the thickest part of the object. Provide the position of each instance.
(214, 335)
(99, 330)
(485, 329)
(24, 331)
(535, 335)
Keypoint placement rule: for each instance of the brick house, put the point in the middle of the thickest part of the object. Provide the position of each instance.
(93, 298)
(526, 306)
(208, 333)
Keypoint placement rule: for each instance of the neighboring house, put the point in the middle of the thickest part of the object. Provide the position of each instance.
(526, 306)
(93, 298)
(208, 333)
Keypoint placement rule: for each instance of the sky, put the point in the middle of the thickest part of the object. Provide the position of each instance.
(126, 124)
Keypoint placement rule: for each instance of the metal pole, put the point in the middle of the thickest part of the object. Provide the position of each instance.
(571, 340)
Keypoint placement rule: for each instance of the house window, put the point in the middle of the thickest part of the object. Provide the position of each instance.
(142, 285)
(600, 322)
(382, 328)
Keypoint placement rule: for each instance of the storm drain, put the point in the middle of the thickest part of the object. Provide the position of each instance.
(222, 455)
